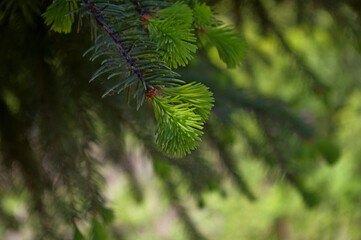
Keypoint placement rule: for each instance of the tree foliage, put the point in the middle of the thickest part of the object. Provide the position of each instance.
(60, 142)
(140, 44)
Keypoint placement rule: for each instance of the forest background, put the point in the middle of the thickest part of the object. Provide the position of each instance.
(279, 158)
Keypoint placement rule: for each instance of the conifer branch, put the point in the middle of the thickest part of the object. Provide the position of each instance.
(141, 41)
(121, 48)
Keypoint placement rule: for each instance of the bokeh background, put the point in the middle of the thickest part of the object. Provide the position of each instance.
(279, 159)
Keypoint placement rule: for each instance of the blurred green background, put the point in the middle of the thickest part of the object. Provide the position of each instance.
(279, 158)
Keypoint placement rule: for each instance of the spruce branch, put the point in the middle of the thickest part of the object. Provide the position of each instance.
(231, 48)
(180, 110)
(121, 48)
(195, 94)
(180, 114)
(202, 15)
(57, 16)
(178, 127)
(130, 53)
(141, 41)
(211, 32)
(172, 33)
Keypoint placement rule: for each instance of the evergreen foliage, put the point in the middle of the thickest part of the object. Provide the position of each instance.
(178, 127)
(230, 47)
(196, 95)
(59, 139)
(180, 116)
(57, 16)
(173, 34)
(140, 45)
(202, 15)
